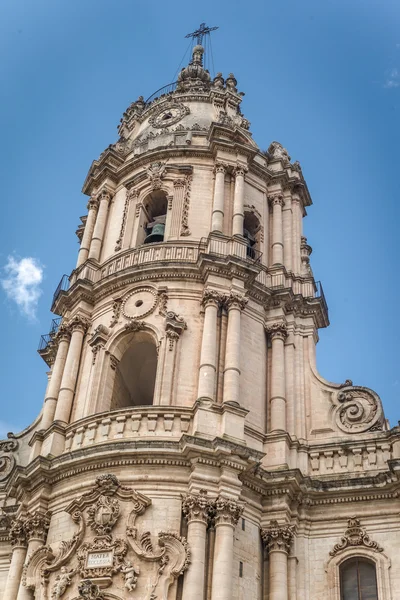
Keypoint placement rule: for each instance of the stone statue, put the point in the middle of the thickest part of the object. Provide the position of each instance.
(130, 572)
(63, 580)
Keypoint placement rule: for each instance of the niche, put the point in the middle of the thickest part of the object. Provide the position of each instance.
(136, 374)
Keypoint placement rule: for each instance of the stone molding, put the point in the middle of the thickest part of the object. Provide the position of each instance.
(355, 536)
(278, 538)
(277, 330)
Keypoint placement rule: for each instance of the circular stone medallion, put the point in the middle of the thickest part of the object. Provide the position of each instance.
(139, 303)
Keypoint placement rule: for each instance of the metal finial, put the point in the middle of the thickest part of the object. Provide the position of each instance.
(200, 33)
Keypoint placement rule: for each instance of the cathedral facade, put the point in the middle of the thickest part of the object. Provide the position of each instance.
(187, 447)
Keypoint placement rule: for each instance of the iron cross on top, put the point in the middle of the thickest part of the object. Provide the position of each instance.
(200, 33)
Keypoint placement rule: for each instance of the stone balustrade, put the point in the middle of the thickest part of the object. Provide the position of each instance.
(360, 456)
(143, 422)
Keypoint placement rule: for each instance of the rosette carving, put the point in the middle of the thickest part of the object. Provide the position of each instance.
(278, 537)
(355, 535)
(358, 409)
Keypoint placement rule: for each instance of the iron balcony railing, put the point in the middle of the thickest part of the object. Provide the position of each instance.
(46, 339)
(163, 91)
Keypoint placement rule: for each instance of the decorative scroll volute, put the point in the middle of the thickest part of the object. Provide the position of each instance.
(358, 409)
(355, 536)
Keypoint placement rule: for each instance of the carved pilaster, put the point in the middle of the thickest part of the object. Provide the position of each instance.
(227, 511)
(278, 537)
(17, 534)
(36, 526)
(277, 330)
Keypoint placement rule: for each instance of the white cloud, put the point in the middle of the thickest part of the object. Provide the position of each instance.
(22, 283)
(393, 79)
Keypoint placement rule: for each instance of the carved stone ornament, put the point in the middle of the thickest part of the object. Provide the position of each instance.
(277, 330)
(278, 538)
(197, 507)
(227, 511)
(139, 303)
(90, 591)
(358, 409)
(174, 326)
(168, 114)
(355, 536)
(130, 561)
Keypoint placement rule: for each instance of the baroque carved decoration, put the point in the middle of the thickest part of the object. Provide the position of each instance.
(128, 560)
(139, 303)
(355, 536)
(278, 537)
(174, 326)
(358, 409)
(185, 231)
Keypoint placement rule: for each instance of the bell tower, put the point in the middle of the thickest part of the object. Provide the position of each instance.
(183, 402)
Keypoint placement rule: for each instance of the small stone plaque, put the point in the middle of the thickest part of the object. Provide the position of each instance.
(99, 559)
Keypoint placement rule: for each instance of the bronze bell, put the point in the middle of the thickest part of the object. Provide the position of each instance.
(156, 235)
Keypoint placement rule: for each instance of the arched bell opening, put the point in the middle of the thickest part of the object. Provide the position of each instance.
(135, 375)
(251, 232)
(155, 215)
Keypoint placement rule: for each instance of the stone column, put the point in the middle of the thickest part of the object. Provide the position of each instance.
(78, 326)
(277, 202)
(278, 541)
(196, 509)
(36, 526)
(83, 254)
(63, 338)
(19, 547)
(296, 234)
(238, 202)
(235, 304)
(217, 221)
(97, 240)
(208, 357)
(278, 333)
(227, 513)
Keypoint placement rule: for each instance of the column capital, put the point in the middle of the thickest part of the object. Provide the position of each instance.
(78, 322)
(212, 297)
(227, 511)
(220, 168)
(93, 204)
(278, 538)
(197, 507)
(17, 533)
(37, 525)
(276, 198)
(235, 300)
(277, 330)
(104, 194)
(240, 171)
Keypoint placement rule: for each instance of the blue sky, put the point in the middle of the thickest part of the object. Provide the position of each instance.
(323, 78)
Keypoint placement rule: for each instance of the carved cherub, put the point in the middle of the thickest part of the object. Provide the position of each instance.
(130, 573)
(63, 580)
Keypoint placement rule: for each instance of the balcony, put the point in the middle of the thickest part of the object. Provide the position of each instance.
(189, 254)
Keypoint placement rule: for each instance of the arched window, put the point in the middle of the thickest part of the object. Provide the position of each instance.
(136, 374)
(358, 580)
(251, 231)
(155, 215)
